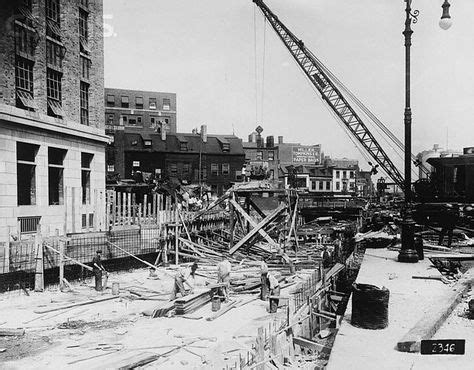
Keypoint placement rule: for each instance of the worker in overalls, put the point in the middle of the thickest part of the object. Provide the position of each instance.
(98, 269)
(223, 276)
(264, 286)
(182, 276)
(274, 292)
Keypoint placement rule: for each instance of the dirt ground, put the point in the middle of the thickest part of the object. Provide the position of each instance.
(104, 334)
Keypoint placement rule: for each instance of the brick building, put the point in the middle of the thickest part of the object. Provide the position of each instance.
(134, 109)
(344, 175)
(52, 139)
(261, 158)
(190, 158)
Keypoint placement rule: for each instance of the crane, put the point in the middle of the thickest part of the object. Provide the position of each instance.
(331, 94)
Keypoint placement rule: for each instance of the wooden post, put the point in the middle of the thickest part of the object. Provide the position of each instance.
(145, 201)
(232, 224)
(124, 209)
(73, 209)
(39, 268)
(165, 245)
(129, 209)
(65, 210)
(134, 208)
(61, 265)
(260, 348)
(119, 208)
(176, 232)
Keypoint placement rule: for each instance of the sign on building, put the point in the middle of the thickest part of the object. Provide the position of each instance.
(306, 154)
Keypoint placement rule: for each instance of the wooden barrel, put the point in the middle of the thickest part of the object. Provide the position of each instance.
(369, 306)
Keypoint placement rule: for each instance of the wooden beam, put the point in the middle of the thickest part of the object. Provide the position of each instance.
(76, 304)
(256, 208)
(255, 230)
(69, 258)
(211, 206)
(252, 222)
(132, 255)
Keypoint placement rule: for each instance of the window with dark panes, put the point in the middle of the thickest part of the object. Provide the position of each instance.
(24, 83)
(225, 169)
(110, 100)
(152, 103)
(25, 41)
(328, 185)
(56, 175)
(321, 185)
(53, 87)
(52, 10)
(166, 104)
(86, 160)
(85, 67)
(173, 169)
(186, 169)
(53, 29)
(54, 54)
(83, 26)
(139, 102)
(84, 97)
(26, 173)
(214, 169)
(271, 155)
(259, 155)
(110, 119)
(125, 102)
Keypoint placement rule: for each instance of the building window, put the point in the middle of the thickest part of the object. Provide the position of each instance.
(110, 100)
(86, 160)
(55, 175)
(183, 146)
(344, 175)
(125, 101)
(84, 103)
(29, 225)
(124, 119)
(147, 142)
(259, 155)
(186, 169)
(83, 25)
(152, 120)
(271, 155)
(53, 19)
(328, 185)
(25, 13)
(24, 41)
(214, 169)
(85, 67)
(54, 54)
(226, 147)
(84, 3)
(166, 104)
(52, 10)
(26, 173)
(131, 121)
(136, 164)
(54, 93)
(173, 169)
(338, 174)
(321, 184)
(24, 84)
(338, 186)
(110, 119)
(139, 102)
(139, 120)
(86, 225)
(225, 169)
(152, 103)
(110, 168)
(351, 174)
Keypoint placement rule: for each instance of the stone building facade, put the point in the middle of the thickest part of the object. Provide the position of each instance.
(52, 138)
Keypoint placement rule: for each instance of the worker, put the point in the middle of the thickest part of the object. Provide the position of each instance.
(182, 277)
(274, 292)
(448, 217)
(264, 287)
(98, 269)
(223, 276)
(326, 257)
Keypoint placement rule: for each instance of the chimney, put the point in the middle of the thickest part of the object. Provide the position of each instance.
(204, 133)
(280, 139)
(270, 141)
(163, 133)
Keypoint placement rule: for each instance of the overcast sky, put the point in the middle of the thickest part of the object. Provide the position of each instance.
(205, 52)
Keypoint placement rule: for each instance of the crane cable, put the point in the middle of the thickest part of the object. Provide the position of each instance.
(263, 67)
(255, 60)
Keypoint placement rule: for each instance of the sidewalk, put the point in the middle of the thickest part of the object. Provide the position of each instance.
(410, 299)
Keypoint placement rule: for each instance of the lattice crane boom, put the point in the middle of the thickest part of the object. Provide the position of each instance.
(331, 94)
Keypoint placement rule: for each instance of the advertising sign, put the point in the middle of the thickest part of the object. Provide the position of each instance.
(306, 154)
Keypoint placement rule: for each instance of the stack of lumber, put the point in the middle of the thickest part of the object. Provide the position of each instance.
(163, 309)
(192, 302)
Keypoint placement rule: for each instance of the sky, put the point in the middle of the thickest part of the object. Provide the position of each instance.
(231, 72)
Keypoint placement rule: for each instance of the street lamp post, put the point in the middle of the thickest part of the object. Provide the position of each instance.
(407, 251)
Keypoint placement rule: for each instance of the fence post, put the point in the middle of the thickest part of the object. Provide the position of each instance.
(260, 344)
(61, 265)
(39, 268)
(176, 231)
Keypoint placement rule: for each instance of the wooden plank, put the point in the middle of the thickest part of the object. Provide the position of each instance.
(431, 321)
(132, 255)
(75, 305)
(69, 258)
(256, 229)
(10, 332)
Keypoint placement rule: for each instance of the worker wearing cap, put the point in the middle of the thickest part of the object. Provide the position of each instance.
(182, 277)
(97, 269)
(264, 286)
(223, 276)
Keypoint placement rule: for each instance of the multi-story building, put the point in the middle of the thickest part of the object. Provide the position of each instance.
(145, 110)
(190, 158)
(344, 175)
(52, 139)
